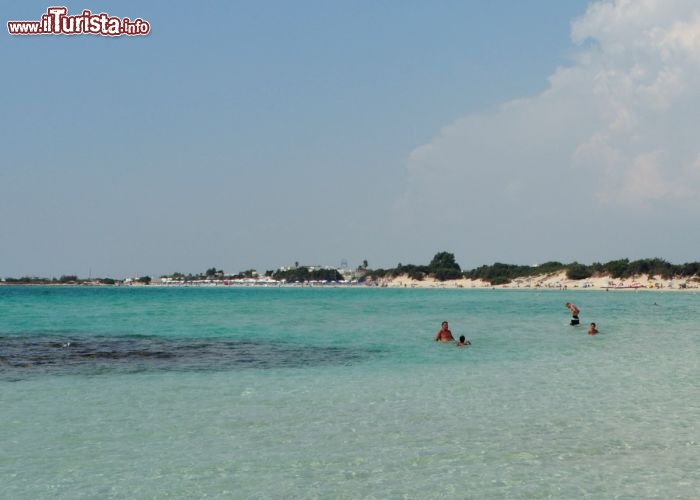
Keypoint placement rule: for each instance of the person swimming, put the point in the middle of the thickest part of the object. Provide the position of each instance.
(462, 342)
(444, 334)
(592, 330)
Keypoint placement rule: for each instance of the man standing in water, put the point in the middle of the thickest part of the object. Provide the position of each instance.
(574, 313)
(444, 334)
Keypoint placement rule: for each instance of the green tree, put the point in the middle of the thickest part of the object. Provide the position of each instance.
(577, 271)
(616, 268)
(213, 272)
(444, 260)
(690, 269)
(548, 267)
(444, 267)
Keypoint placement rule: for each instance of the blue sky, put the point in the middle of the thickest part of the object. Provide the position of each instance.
(251, 135)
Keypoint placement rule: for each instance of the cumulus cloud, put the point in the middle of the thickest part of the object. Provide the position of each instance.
(613, 138)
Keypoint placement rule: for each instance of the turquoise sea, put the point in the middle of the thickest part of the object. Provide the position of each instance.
(342, 393)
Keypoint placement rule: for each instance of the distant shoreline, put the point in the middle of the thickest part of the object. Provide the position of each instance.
(556, 281)
(442, 272)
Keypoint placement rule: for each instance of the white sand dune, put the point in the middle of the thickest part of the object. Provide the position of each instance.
(552, 281)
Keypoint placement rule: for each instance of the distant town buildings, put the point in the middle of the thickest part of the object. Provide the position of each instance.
(284, 275)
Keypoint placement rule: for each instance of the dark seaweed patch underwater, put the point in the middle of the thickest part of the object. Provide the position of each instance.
(127, 354)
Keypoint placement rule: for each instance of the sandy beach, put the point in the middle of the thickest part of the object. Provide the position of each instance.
(552, 281)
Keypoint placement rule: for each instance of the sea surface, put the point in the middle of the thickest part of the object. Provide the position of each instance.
(342, 393)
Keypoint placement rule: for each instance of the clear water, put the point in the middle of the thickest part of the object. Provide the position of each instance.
(342, 393)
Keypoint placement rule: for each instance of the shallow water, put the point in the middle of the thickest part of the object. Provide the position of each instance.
(341, 393)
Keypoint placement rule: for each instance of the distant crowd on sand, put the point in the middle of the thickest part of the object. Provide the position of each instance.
(445, 335)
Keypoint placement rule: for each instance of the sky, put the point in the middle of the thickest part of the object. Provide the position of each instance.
(252, 135)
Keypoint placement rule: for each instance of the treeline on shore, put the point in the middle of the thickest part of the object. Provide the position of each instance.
(302, 274)
(63, 280)
(443, 267)
(298, 273)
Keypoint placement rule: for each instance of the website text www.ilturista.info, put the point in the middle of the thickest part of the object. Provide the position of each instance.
(56, 21)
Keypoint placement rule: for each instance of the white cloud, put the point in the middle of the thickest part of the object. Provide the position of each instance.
(614, 133)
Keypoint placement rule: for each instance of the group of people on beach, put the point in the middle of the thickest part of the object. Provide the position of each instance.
(445, 335)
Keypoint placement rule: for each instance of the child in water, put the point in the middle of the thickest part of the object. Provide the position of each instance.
(462, 342)
(592, 330)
